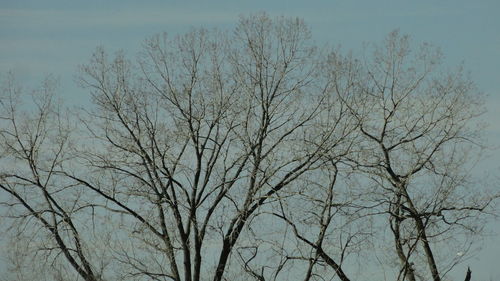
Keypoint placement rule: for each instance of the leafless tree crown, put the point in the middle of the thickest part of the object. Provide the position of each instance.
(245, 155)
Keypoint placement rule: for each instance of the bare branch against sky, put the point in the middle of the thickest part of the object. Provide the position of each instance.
(236, 144)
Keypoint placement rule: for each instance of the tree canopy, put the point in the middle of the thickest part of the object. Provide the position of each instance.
(246, 154)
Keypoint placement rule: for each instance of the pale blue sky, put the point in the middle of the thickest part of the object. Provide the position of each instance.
(42, 37)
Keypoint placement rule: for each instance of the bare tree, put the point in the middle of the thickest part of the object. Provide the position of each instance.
(250, 155)
(34, 140)
(205, 134)
(420, 139)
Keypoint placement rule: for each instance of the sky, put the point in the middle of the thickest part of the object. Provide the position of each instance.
(38, 38)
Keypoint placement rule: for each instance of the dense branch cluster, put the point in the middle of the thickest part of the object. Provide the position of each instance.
(250, 155)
